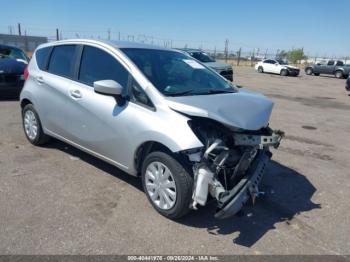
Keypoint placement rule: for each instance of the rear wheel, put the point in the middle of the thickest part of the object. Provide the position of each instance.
(338, 74)
(167, 184)
(260, 69)
(308, 71)
(284, 72)
(32, 126)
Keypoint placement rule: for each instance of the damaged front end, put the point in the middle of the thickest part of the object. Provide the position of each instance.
(231, 164)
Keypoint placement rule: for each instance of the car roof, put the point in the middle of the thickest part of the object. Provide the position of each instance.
(115, 44)
(10, 47)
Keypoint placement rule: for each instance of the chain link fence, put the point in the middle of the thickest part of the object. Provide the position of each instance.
(237, 56)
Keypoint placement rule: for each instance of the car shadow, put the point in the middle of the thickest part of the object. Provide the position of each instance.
(331, 76)
(287, 194)
(96, 162)
(278, 75)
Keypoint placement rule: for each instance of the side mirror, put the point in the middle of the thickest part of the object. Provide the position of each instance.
(108, 87)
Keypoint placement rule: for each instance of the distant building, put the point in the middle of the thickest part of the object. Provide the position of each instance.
(26, 43)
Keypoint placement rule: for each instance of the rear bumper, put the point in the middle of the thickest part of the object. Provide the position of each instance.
(11, 83)
(247, 187)
(11, 88)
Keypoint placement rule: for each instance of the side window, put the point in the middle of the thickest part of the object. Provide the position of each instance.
(330, 63)
(339, 63)
(97, 65)
(62, 60)
(138, 95)
(269, 61)
(41, 57)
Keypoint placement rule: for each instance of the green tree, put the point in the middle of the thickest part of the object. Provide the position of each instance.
(296, 55)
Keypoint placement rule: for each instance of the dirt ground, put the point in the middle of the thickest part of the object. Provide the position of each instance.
(58, 200)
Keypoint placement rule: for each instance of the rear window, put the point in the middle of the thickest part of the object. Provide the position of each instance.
(12, 53)
(62, 60)
(41, 57)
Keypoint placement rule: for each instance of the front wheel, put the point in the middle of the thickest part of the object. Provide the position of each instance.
(284, 72)
(32, 126)
(260, 69)
(308, 71)
(167, 184)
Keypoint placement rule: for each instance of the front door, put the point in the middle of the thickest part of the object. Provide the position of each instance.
(96, 121)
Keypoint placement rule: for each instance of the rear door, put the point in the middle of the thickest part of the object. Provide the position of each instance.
(53, 82)
(328, 68)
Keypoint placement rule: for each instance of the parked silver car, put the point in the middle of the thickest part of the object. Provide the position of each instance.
(155, 113)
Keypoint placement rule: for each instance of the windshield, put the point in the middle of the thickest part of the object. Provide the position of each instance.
(175, 74)
(203, 57)
(7, 52)
(281, 62)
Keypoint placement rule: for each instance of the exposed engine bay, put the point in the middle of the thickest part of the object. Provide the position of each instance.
(230, 165)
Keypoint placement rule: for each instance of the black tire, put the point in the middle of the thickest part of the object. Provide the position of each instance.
(339, 74)
(284, 72)
(40, 138)
(260, 69)
(316, 74)
(183, 181)
(308, 71)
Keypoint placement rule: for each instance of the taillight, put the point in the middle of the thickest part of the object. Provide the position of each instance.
(25, 73)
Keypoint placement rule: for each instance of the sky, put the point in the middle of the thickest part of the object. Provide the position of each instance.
(319, 26)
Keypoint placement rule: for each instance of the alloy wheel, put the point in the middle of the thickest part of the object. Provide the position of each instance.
(30, 124)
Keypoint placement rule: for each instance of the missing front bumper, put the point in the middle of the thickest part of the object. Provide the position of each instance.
(232, 202)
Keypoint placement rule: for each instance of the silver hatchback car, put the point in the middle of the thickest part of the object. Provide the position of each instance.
(152, 112)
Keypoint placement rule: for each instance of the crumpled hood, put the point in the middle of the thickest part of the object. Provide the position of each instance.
(292, 67)
(245, 109)
(218, 65)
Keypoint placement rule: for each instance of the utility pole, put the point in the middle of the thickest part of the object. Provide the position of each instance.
(277, 53)
(109, 34)
(252, 58)
(118, 36)
(57, 35)
(265, 53)
(226, 50)
(19, 29)
(239, 56)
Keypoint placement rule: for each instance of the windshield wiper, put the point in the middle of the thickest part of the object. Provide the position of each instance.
(217, 91)
(180, 93)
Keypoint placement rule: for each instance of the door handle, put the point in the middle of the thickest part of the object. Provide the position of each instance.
(40, 79)
(75, 93)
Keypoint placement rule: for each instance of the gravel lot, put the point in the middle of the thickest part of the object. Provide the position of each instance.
(59, 200)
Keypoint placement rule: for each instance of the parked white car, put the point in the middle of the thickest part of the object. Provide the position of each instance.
(276, 66)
